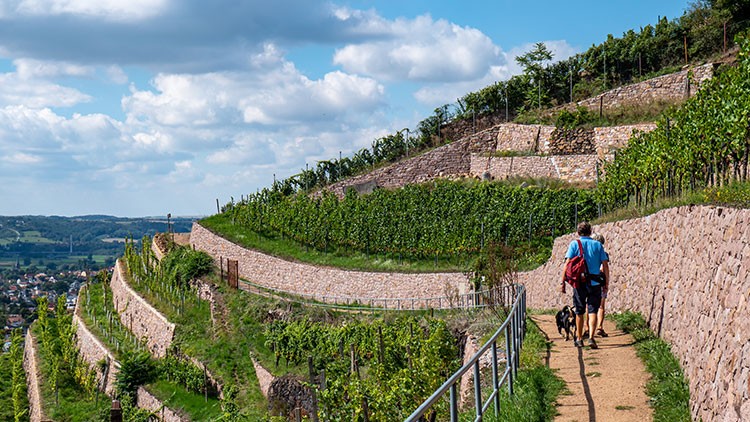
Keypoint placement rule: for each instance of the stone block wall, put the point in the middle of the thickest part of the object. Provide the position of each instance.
(92, 351)
(333, 283)
(139, 316)
(570, 168)
(612, 138)
(687, 270)
(449, 160)
(31, 367)
(523, 138)
(464, 157)
(505, 167)
(148, 401)
(571, 141)
(672, 87)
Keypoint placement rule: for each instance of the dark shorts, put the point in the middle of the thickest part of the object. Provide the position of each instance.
(587, 298)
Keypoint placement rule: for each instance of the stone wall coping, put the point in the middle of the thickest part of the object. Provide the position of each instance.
(36, 411)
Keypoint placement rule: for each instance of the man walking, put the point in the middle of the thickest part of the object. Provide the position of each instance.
(587, 297)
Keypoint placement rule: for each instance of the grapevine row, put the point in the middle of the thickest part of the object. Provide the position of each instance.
(440, 218)
(705, 143)
(383, 370)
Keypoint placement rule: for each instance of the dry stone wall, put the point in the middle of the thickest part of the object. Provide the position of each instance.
(572, 141)
(92, 351)
(446, 161)
(523, 138)
(570, 168)
(139, 316)
(325, 283)
(611, 138)
(31, 367)
(672, 87)
(687, 270)
(468, 157)
(573, 167)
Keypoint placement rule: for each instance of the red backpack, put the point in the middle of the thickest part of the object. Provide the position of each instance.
(576, 271)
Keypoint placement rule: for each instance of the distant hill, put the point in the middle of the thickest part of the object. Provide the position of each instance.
(93, 238)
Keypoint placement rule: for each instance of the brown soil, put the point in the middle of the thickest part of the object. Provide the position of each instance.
(606, 384)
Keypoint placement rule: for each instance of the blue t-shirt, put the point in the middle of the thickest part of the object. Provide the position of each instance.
(593, 253)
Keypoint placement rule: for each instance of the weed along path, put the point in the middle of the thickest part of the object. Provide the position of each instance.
(606, 384)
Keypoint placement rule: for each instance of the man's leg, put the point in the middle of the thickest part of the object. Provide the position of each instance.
(592, 324)
(579, 326)
(594, 299)
(600, 316)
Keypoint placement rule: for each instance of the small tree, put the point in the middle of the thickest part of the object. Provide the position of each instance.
(533, 67)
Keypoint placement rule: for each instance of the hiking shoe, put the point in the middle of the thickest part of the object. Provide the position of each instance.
(592, 344)
(602, 333)
(577, 343)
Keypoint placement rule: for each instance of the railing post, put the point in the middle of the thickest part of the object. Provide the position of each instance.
(516, 342)
(509, 358)
(495, 386)
(454, 403)
(477, 391)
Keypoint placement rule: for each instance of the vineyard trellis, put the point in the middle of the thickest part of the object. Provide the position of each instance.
(438, 219)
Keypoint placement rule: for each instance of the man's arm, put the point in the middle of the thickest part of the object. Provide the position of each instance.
(562, 278)
(605, 268)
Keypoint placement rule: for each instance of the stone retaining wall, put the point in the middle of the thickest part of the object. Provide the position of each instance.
(146, 400)
(672, 87)
(139, 316)
(36, 412)
(305, 279)
(611, 138)
(458, 158)
(570, 168)
(446, 161)
(93, 351)
(687, 270)
(523, 138)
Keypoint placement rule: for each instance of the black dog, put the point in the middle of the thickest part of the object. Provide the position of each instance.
(566, 320)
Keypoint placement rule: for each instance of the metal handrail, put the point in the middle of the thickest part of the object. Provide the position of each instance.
(471, 300)
(513, 328)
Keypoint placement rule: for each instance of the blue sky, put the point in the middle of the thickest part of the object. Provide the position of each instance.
(149, 107)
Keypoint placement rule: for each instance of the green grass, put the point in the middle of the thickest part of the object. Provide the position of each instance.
(226, 349)
(668, 388)
(185, 402)
(537, 387)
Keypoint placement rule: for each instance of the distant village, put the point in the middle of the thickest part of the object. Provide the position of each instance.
(19, 293)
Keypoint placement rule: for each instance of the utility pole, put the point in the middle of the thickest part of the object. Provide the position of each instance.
(686, 55)
(506, 105)
(571, 84)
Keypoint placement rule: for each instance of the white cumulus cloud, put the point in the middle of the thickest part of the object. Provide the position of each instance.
(422, 49)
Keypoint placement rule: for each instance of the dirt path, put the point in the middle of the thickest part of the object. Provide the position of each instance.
(606, 384)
